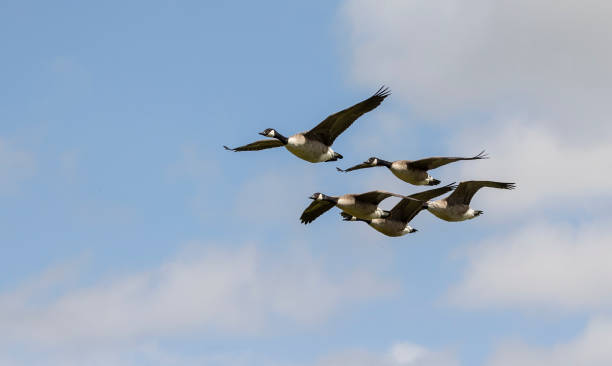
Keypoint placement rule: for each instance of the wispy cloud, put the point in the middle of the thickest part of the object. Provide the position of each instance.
(232, 291)
(592, 347)
(542, 266)
(16, 165)
(399, 354)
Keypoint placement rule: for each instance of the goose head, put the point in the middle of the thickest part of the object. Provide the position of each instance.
(269, 132)
(371, 161)
(317, 196)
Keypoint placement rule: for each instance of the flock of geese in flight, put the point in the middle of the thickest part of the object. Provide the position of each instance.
(315, 146)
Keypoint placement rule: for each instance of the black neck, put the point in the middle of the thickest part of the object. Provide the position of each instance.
(281, 138)
(383, 163)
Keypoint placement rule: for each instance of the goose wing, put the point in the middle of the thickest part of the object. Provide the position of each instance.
(331, 127)
(375, 197)
(314, 210)
(356, 167)
(257, 145)
(433, 193)
(466, 190)
(406, 209)
(438, 161)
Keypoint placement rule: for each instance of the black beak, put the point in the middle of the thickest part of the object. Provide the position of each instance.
(261, 133)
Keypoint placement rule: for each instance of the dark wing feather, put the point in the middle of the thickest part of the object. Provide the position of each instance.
(314, 210)
(466, 190)
(375, 197)
(358, 166)
(327, 131)
(406, 210)
(257, 145)
(433, 193)
(436, 162)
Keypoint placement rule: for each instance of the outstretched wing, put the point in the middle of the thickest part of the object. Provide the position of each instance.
(314, 210)
(436, 162)
(327, 131)
(375, 197)
(358, 166)
(433, 193)
(406, 209)
(257, 145)
(466, 190)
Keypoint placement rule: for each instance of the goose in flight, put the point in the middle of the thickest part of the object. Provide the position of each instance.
(413, 171)
(315, 145)
(363, 205)
(396, 223)
(456, 207)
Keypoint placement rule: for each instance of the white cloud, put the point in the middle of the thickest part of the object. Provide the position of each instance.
(400, 354)
(15, 166)
(446, 56)
(593, 347)
(234, 291)
(543, 266)
(549, 171)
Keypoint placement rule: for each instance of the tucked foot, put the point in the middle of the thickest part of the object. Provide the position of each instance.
(335, 157)
(347, 217)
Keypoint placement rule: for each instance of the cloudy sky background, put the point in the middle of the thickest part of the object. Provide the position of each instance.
(130, 237)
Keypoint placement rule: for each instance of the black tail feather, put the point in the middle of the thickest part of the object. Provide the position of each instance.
(433, 182)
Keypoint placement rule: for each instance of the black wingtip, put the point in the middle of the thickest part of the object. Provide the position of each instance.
(452, 185)
(228, 149)
(340, 170)
(383, 92)
(481, 155)
(509, 186)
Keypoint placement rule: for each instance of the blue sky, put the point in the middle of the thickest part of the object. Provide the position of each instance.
(130, 237)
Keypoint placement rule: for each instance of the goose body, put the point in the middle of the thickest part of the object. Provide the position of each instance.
(315, 145)
(413, 171)
(310, 150)
(417, 177)
(446, 212)
(363, 206)
(396, 223)
(391, 227)
(456, 207)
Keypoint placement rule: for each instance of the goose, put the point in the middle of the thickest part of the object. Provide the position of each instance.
(413, 171)
(364, 205)
(315, 145)
(396, 223)
(456, 207)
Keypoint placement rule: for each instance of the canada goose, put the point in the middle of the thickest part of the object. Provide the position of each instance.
(456, 207)
(413, 171)
(396, 223)
(315, 145)
(364, 205)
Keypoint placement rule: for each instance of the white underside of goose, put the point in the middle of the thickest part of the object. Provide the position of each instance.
(309, 150)
(362, 213)
(415, 177)
(390, 228)
(450, 213)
